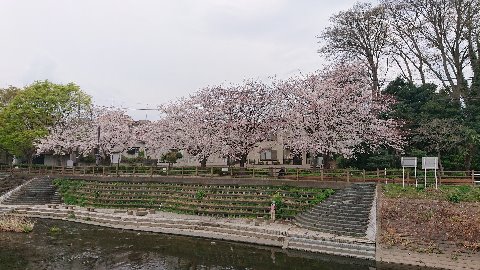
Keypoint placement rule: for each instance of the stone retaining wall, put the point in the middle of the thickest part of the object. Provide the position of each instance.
(261, 232)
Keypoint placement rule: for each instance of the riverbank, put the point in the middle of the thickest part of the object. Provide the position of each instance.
(435, 228)
(56, 244)
(405, 218)
(255, 231)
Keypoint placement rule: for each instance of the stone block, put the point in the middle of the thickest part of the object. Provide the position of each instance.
(141, 213)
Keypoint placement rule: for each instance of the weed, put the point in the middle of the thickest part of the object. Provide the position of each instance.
(16, 224)
(55, 229)
(200, 194)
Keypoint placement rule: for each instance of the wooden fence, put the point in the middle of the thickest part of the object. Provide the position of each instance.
(344, 175)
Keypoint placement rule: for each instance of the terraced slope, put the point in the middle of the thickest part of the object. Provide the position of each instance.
(346, 212)
(215, 200)
(38, 191)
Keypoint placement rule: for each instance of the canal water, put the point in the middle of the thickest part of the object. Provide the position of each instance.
(67, 245)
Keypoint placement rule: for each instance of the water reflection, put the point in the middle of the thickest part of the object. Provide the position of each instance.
(79, 246)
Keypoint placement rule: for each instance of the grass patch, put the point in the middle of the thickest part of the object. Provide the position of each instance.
(16, 224)
(55, 229)
(452, 194)
(68, 189)
(234, 200)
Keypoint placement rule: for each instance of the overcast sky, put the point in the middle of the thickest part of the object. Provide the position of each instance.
(140, 53)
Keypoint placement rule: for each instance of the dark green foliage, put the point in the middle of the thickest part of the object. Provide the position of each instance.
(434, 125)
(31, 111)
(171, 157)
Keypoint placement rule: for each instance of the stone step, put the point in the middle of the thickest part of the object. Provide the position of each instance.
(367, 248)
(340, 211)
(38, 191)
(346, 212)
(330, 219)
(336, 231)
(334, 224)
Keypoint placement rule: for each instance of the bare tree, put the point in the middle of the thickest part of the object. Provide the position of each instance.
(359, 34)
(442, 37)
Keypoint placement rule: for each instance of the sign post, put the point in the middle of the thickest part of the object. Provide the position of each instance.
(430, 163)
(409, 162)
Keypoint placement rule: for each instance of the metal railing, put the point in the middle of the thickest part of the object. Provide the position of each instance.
(338, 175)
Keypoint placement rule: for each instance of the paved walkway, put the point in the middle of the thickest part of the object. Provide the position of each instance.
(441, 261)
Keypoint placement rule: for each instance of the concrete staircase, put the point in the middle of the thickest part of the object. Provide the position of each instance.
(347, 212)
(38, 191)
(4, 210)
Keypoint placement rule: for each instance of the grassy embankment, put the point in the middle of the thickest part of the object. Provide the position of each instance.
(216, 200)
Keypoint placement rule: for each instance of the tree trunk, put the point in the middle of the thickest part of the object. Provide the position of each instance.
(243, 160)
(203, 163)
(374, 71)
(469, 155)
(440, 166)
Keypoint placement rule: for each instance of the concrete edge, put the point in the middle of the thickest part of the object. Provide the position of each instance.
(214, 230)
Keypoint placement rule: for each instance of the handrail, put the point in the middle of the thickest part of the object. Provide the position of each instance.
(338, 175)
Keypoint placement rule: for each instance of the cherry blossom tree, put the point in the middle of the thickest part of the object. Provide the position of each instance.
(107, 129)
(116, 131)
(333, 112)
(194, 126)
(69, 136)
(156, 136)
(240, 116)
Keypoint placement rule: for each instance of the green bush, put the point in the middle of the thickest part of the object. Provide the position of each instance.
(455, 198)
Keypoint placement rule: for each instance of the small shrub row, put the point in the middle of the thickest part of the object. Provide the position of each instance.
(452, 194)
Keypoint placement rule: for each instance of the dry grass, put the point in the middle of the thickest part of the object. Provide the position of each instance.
(15, 224)
(431, 226)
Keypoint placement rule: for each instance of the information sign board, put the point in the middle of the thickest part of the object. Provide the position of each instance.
(430, 163)
(409, 162)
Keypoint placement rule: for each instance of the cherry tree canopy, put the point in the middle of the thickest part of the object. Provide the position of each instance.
(333, 112)
(243, 114)
(156, 135)
(80, 134)
(194, 126)
(73, 134)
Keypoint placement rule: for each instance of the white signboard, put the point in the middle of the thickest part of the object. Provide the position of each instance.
(224, 169)
(409, 162)
(430, 163)
(69, 163)
(115, 158)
